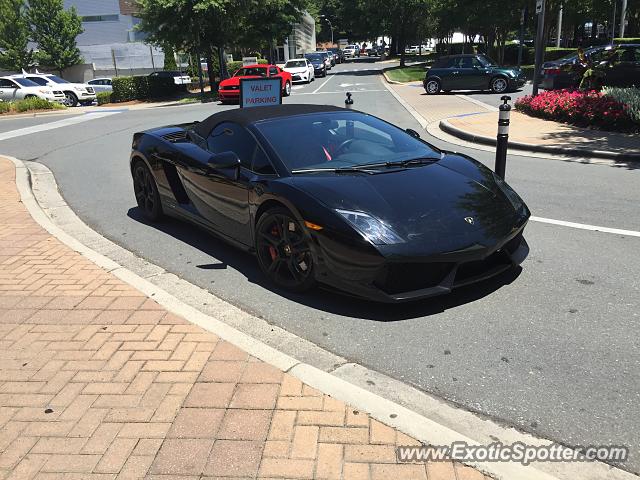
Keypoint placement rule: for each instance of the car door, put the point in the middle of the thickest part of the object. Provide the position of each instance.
(8, 90)
(447, 71)
(218, 196)
(469, 76)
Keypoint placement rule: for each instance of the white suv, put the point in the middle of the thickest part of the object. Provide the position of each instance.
(12, 89)
(74, 92)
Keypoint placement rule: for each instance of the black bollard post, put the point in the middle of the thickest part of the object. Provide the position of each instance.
(348, 101)
(503, 137)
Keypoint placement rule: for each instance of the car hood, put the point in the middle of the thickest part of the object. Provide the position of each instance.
(235, 81)
(295, 69)
(434, 207)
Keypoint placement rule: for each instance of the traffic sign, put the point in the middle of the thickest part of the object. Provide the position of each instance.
(538, 6)
(260, 92)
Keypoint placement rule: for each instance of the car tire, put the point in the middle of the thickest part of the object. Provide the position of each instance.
(146, 192)
(70, 99)
(432, 86)
(499, 85)
(283, 250)
(27, 97)
(287, 89)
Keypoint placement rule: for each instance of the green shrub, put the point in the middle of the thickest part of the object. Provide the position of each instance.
(35, 103)
(5, 107)
(629, 97)
(142, 88)
(103, 97)
(554, 53)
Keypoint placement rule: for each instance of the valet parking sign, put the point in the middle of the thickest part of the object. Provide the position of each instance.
(260, 92)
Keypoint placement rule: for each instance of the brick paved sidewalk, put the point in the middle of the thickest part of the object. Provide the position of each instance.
(98, 381)
(476, 120)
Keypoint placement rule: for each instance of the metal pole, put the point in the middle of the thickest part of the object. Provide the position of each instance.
(115, 65)
(623, 14)
(559, 28)
(540, 47)
(503, 136)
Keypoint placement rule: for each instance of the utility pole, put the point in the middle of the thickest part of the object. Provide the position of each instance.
(559, 28)
(613, 21)
(540, 45)
(623, 14)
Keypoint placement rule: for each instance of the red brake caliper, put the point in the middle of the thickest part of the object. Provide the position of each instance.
(272, 249)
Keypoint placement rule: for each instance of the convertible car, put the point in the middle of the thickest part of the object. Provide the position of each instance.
(321, 194)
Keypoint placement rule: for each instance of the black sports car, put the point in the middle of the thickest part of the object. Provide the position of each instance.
(324, 194)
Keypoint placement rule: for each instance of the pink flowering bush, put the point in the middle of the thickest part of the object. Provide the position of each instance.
(579, 107)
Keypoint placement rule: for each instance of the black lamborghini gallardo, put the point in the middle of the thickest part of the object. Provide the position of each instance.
(324, 194)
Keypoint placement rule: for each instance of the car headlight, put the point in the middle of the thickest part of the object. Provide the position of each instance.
(78, 89)
(45, 91)
(371, 228)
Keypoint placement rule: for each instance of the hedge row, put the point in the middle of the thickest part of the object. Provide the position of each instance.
(30, 104)
(142, 88)
(232, 67)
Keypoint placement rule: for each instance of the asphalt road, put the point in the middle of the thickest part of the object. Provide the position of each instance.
(553, 350)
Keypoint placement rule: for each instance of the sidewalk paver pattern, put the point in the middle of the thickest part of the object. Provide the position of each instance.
(99, 381)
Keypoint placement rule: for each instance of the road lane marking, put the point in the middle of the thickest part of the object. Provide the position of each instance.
(323, 84)
(583, 226)
(50, 126)
(342, 91)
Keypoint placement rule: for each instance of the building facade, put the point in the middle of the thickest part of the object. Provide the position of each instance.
(110, 43)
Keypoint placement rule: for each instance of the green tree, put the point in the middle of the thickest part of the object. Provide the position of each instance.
(55, 29)
(169, 58)
(15, 53)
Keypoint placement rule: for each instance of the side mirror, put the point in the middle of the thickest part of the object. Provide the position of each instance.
(225, 161)
(412, 132)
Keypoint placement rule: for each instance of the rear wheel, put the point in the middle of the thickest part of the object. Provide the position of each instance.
(432, 87)
(283, 251)
(27, 97)
(146, 190)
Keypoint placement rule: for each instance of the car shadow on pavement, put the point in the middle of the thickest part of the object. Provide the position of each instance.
(322, 298)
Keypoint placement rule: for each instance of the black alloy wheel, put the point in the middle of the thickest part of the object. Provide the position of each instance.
(146, 190)
(283, 251)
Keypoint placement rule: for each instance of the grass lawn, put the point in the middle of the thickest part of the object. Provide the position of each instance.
(407, 74)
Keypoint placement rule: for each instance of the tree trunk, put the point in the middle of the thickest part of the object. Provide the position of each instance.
(402, 45)
(222, 63)
(211, 73)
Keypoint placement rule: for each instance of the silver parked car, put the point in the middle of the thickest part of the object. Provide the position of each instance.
(101, 85)
(16, 88)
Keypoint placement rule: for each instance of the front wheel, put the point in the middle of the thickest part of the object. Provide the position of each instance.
(146, 190)
(70, 99)
(287, 89)
(432, 87)
(283, 251)
(499, 85)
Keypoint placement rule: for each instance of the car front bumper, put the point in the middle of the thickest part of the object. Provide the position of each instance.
(228, 94)
(397, 279)
(300, 77)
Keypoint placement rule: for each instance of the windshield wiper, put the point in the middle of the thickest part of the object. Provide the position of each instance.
(412, 161)
(332, 170)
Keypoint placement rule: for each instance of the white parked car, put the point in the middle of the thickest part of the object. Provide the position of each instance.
(301, 70)
(351, 51)
(179, 78)
(74, 93)
(12, 89)
(101, 84)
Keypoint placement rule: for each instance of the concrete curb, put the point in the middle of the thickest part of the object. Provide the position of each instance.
(38, 185)
(386, 77)
(484, 140)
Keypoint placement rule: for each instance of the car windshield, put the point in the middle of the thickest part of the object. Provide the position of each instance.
(251, 72)
(56, 79)
(315, 57)
(295, 64)
(340, 140)
(25, 82)
(487, 61)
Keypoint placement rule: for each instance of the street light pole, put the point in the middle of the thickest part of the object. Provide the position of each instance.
(622, 15)
(330, 26)
(540, 46)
